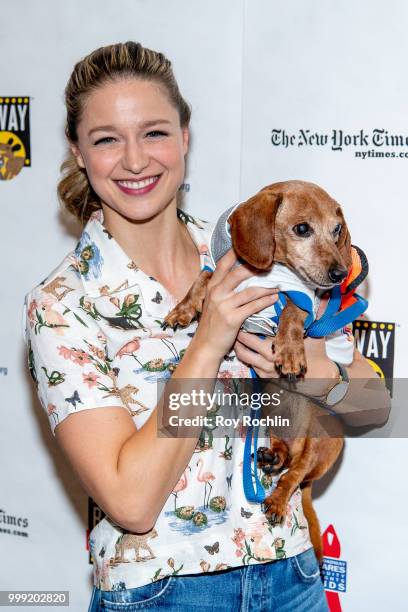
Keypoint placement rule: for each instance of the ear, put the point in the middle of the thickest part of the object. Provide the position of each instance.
(78, 155)
(186, 138)
(344, 243)
(253, 229)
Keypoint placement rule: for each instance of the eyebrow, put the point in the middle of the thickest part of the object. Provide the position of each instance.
(145, 124)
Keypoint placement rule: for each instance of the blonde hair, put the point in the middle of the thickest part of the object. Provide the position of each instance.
(119, 61)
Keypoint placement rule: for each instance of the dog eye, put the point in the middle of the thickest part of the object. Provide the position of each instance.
(303, 229)
(337, 229)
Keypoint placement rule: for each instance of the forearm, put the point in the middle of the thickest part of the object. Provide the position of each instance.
(149, 466)
(367, 401)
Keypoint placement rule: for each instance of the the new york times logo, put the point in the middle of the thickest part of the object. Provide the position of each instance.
(13, 525)
(340, 140)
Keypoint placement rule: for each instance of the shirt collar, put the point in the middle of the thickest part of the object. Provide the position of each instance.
(105, 268)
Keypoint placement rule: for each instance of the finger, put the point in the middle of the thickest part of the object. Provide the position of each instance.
(237, 275)
(254, 359)
(252, 293)
(252, 341)
(249, 309)
(223, 265)
(231, 276)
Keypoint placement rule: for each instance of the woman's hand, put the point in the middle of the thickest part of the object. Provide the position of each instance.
(224, 310)
(257, 353)
(364, 404)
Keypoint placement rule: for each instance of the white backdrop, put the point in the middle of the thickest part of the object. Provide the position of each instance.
(247, 67)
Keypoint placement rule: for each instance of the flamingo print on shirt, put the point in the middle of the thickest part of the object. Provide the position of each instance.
(180, 486)
(205, 477)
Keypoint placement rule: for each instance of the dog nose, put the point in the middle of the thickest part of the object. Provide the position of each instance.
(337, 275)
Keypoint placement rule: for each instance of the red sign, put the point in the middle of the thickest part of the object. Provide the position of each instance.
(331, 548)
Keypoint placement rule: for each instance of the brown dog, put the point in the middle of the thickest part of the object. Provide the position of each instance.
(299, 225)
(306, 458)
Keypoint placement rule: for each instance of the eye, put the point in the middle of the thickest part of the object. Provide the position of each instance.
(105, 140)
(156, 134)
(337, 229)
(303, 230)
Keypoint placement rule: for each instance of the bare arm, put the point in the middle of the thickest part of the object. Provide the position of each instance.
(130, 473)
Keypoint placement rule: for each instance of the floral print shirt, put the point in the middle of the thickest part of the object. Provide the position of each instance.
(95, 338)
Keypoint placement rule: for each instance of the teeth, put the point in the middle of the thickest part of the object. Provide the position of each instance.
(138, 184)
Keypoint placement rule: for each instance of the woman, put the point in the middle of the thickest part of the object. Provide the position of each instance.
(178, 531)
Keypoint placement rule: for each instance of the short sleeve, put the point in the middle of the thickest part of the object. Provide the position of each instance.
(67, 358)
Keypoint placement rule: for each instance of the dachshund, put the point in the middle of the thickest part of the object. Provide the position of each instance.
(296, 224)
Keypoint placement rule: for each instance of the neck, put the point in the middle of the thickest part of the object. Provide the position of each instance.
(160, 246)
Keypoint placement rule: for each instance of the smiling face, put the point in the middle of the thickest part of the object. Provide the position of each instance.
(132, 146)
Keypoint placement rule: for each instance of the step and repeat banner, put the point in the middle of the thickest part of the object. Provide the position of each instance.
(315, 91)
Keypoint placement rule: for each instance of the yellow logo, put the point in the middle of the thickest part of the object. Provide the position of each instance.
(376, 368)
(12, 155)
(15, 147)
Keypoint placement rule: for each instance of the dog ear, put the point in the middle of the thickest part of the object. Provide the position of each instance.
(344, 243)
(252, 227)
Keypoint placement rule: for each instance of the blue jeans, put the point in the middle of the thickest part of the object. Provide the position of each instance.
(287, 585)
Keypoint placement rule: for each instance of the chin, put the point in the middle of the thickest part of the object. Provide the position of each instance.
(136, 212)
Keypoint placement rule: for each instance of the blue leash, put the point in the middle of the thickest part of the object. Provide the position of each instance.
(252, 494)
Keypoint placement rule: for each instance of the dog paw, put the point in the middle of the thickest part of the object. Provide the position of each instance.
(289, 362)
(271, 460)
(182, 314)
(275, 509)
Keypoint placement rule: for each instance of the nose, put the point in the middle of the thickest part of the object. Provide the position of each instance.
(135, 157)
(337, 275)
